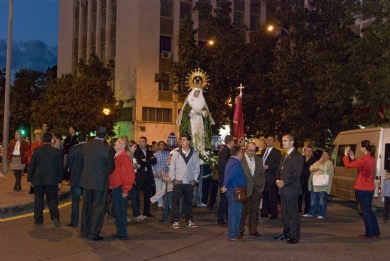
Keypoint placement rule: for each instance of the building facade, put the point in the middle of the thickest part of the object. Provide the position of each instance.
(141, 37)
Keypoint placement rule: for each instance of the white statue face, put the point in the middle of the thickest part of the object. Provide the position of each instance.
(196, 93)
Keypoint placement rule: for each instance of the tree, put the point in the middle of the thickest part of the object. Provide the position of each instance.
(312, 77)
(79, 100)
(28, 85)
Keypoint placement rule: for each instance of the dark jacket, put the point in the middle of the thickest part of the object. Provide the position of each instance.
(290, 170)
(223, 158)
(273, 162)
(46, 166)
(143, 174)
(258, 180)
(75, 164)
(69, 142)
(306, 171)
(98, 164)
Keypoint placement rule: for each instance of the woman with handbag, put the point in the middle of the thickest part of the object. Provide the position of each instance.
(234, 186)
(320, 184)
(364, 185)
(17, 152)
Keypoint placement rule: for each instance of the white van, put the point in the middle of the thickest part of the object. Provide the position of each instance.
(344, 178)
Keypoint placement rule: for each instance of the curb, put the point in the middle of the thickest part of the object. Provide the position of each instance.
(16, 210)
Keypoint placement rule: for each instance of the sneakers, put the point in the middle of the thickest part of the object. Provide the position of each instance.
(140, 217)
(307, 215)
(191, 224)
(175, 225)
(203, 205)
(128, 219)
(320, 217)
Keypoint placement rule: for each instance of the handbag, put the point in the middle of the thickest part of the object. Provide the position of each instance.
(240, 194)
(320, 180)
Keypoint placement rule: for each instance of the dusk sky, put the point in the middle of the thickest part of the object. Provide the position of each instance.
(35, 34)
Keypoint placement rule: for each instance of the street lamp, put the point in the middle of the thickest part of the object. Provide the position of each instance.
(271, 28)
(106, 111)
(211, 42)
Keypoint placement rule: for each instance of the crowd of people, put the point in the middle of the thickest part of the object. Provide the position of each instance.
(106, 177)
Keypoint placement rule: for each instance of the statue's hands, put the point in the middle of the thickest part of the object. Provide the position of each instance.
(198, 112)
(205, 113)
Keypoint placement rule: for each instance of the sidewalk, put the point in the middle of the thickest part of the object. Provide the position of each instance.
(13, 203)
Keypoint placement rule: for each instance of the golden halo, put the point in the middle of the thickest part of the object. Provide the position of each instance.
(197, 79)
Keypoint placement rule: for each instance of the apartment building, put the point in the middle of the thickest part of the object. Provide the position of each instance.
(141, 36)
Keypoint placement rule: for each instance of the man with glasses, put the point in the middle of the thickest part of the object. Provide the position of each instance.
(255, 182)
(288, 182)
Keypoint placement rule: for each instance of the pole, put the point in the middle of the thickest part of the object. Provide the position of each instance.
(7, 87)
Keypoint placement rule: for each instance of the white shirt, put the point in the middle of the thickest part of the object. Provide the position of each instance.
(251, 164)
(266, 153)
(16, 151)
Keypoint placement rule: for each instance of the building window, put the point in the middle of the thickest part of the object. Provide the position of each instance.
(156, 114)
(165, 43)
(94, 22)
(164, 86)
(239, 20)
(103, 51)
(254, 19)
(93, 50)
(166, 8)
(185, 10)
(103, 18)
(113, 14)
(127, 114)
(84, 55)
(113, 48)
(104, 3)
(76, 28)
(255, 7)
(85, 25)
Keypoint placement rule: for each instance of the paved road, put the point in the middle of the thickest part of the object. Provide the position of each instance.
(333, 238)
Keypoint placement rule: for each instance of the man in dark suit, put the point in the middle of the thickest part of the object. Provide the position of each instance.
(98, 164)
(223, 158)
(45, 175)
(144, 176)
(288, 182)
(271, 160)
(75, 165)
(255, 182)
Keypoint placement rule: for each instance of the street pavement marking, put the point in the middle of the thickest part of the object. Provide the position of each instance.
(32, 214)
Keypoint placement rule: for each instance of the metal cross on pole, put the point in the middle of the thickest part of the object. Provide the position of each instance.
(241, 87)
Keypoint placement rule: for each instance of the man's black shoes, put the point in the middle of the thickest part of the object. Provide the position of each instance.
(96, 239)
(281, 237)
(292, 241)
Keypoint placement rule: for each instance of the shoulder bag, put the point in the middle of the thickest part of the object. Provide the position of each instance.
(320, 180)
(240, 194)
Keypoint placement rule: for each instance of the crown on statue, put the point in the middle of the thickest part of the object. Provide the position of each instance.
(197, 79)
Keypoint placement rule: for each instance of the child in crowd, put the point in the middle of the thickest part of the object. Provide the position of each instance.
(168, 185)
(386, 196)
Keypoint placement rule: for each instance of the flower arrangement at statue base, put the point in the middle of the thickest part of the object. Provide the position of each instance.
(208, 157)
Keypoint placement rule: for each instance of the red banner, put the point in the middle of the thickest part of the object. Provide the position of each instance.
(238, 122)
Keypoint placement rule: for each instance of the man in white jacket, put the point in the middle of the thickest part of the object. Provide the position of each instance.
(184, 173)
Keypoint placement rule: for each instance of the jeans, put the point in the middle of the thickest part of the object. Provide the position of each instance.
(364, 197)
(386, 207)
(76, 193)
(135, 201)
(206, 184)
(234, 215)
(319, 203)
(180, 190)
(120, 211)
(167, 205)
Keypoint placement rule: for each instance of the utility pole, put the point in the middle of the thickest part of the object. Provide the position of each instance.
(7, 87)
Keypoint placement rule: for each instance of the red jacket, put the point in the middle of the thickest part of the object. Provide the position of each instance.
(24, 148)
(33, 146)
(366, 167)
(123, 173)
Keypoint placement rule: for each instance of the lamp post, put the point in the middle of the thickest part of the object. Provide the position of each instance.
(271, 29)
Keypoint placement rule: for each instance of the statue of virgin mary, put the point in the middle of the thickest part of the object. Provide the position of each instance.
(195, 119)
